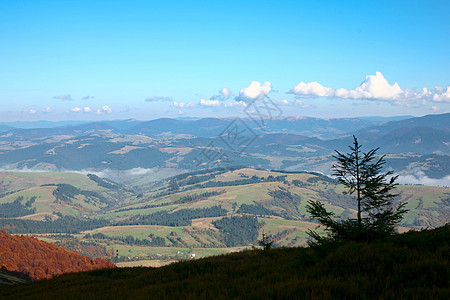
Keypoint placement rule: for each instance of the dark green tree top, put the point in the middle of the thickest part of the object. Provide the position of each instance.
(361, 173)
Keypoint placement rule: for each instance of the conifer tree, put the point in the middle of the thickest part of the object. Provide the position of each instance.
(264, 242)
(361, 173)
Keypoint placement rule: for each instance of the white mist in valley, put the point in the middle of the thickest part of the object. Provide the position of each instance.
(424, 180)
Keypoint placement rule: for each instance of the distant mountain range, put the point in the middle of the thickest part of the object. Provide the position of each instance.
(294, 143)
(122, 124)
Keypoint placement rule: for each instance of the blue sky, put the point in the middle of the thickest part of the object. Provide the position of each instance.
(92, 60)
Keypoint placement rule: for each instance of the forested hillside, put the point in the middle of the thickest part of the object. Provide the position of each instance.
(39, 260)
(195, 214)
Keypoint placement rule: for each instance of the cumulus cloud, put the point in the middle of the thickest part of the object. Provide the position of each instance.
(254, 91)
(104, 110)
(312, 89)
(204, 102)
(64, 97)
(158, 98)
(441, 95)
(374, 87)
(297, 102)
(183, 104)
(224, 94)
(88, 97)
(236, 103)
(31, 111)
(85, 109)
(47, 109)
(107, 109)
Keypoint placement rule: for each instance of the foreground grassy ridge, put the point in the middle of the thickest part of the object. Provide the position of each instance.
(414, 265)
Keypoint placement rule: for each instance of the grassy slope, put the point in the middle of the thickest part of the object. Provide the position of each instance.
(411, 266)
(29, 184)
(292, 232)
(430, 198)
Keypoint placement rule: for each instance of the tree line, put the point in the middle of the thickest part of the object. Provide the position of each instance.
(238, 230)
(154, 241)
(66, 224)
(17, 209)
(66, 192)
(108, 184)
(181, 217)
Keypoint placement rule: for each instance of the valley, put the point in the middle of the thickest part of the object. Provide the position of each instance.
(155, 192)
(188, 216)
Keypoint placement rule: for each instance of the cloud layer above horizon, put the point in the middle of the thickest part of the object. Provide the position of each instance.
(374, 87)
(303, 96)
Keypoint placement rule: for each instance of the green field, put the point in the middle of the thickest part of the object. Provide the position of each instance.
(285, 218)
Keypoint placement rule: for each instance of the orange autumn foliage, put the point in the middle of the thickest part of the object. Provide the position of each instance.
(39, 260)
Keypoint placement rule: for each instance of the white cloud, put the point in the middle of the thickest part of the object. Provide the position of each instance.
(425, 180)
(297, 102)
(137, 172)
(47, 109)
(115, 174)
(254, 91)
(235, 103)
(374, 87)
(183, 104)
(224, 94)
(31, 111)
(435, 108)
(312, 89)
(440, 95)
(85, 109)
(302, 104)
(105, 109)
(158, 98)
(209, 102)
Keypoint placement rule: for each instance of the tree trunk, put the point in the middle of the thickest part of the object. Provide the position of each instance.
(358, 181)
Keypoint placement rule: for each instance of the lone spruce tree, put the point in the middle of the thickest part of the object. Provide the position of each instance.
(361, 173)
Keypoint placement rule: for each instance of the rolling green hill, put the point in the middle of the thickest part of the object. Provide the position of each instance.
(197, 214)
(50, 195)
